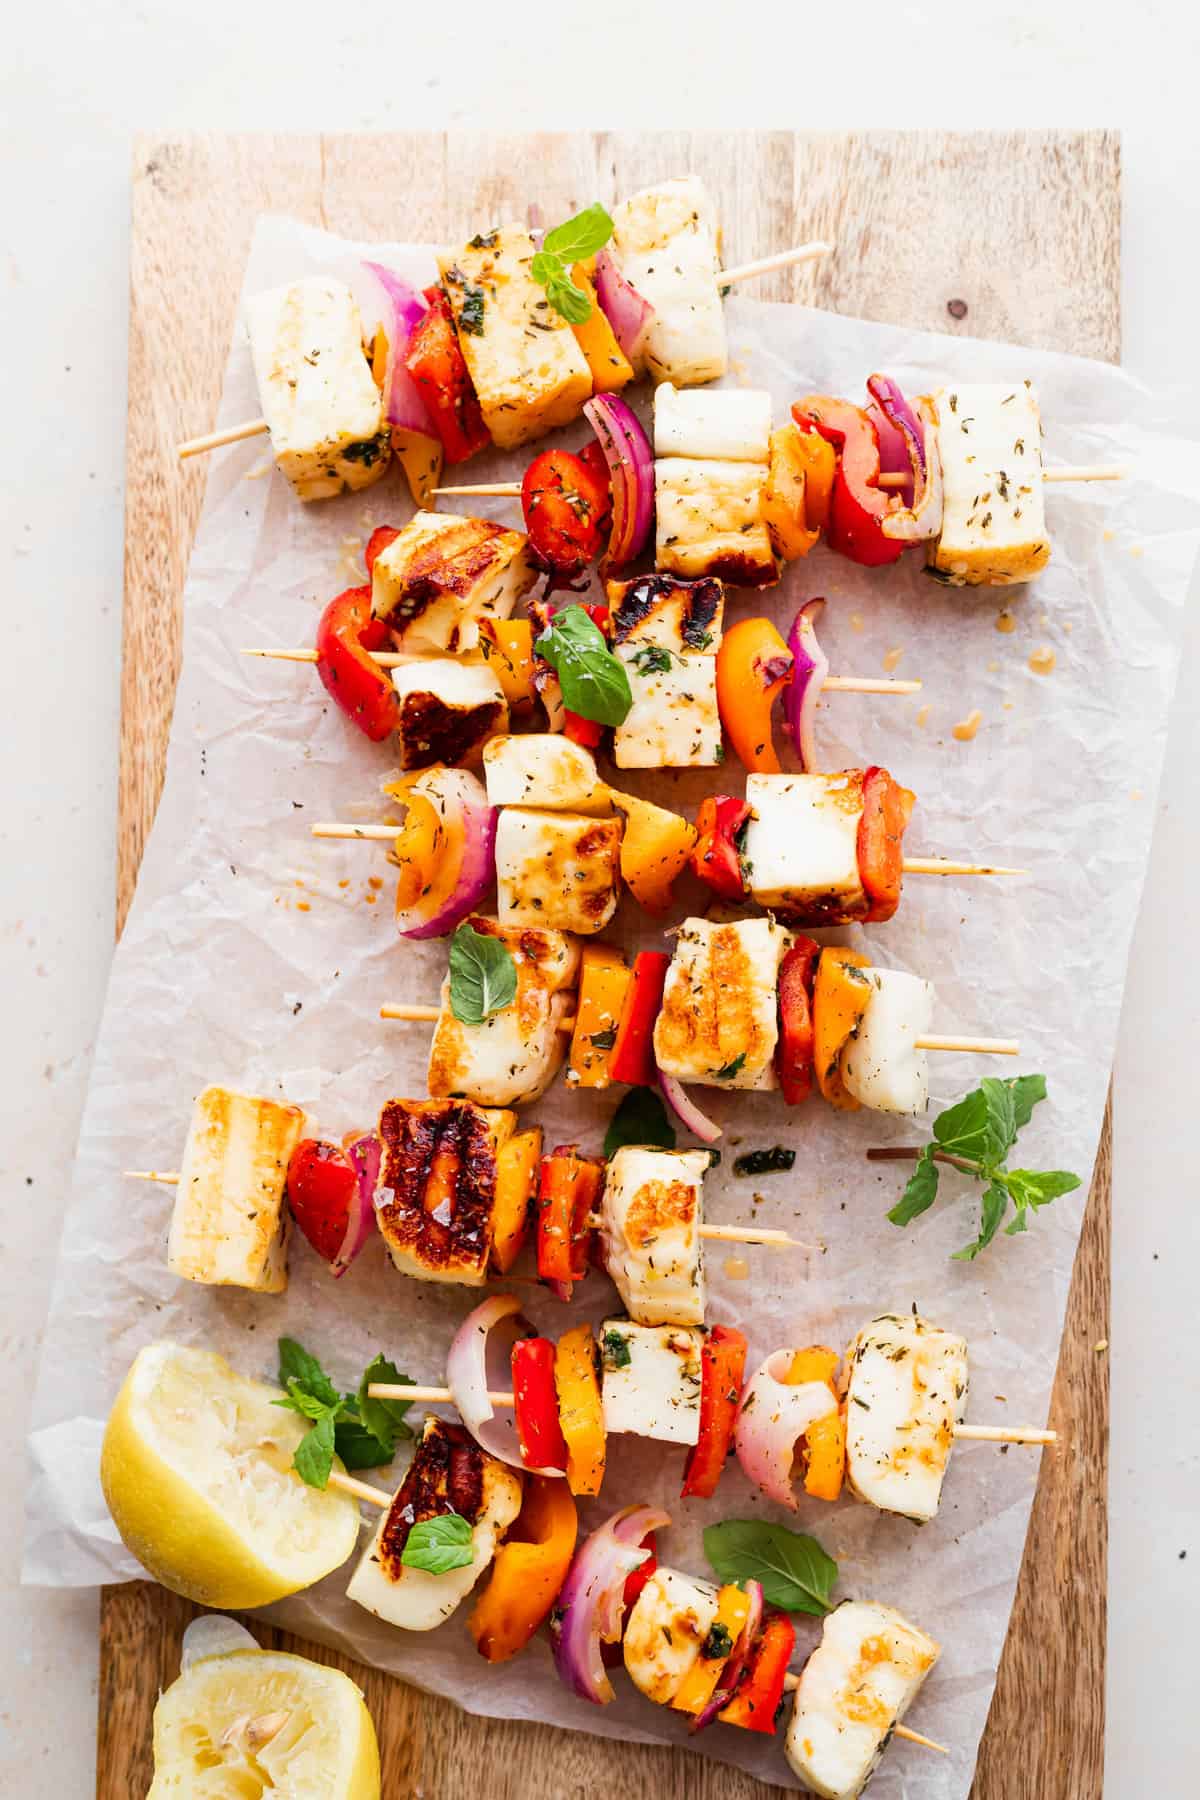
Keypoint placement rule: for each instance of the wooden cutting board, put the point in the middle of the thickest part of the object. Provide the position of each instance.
(1005, 235)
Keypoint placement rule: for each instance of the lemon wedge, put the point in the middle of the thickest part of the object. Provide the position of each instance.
(243, 1722)
(196, 1470)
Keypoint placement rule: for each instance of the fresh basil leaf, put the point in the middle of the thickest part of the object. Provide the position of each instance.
(921, 1191)
(580, 237)
(641, 1118)
(795, 1573)
(483, 976)
(358, 1447)
(1038, 1187)
(730, 1069)
(313, 1457)
(570, 302)
(594, 683)
(438, 1545)
(384, 1419)
(297, 1366)
(544, 268)
(1027, 1090)
(995, 1205)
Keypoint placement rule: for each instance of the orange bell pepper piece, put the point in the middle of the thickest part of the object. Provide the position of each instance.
(753, 664)
(507, 645)
(611, 368)
(603, 981)
(887, 808)
(530, 1568)
(517, 1168)
(822, 1451)
(580, 1412)
(420, 850)
(820, 466)
(784, 505)
(655, 847)
(700, 1683)
(840, 996)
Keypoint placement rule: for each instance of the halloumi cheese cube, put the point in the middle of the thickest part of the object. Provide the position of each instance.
(667, 634)
(732, 424)
(523, 358)
(651, 1380)
(544, 769)
(650, 1220)
(315, 385)
(559, 869)
(906, 1390)
(514, 1055)
(684, 617)
(881, 1065)
(718, 1022)
(708, 521)
(449, 708)
(665, 243)
(443, 575)
(993, 506)
(436, 1193)
(800, 845)
(449, 1473)
(230, 1223)
(854, 1689)
(665, 1632)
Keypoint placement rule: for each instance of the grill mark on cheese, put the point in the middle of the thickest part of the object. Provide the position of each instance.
(453, 563)
(715, 1012)
(439, 1151)
(656, 1207)
(445, 1475)
(432, 732)
(633, 602)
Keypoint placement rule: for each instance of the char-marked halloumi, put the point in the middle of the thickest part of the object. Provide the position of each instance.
(993, 506)
(665, 241)
(514, 1055)
(906, 1390)
(449, 708)
(523, 358)
(651, 1380)
(443, 575)
(315, 385)
(230, 1224)
(665, 1632)
(800, 845)
(667, 634)
(881, 1065)
(708, 521)
(436, 1193)
(650, 1220)
(559, 869)
(449, 1473)
(718, 1022)
(731, 424)
(855, 1687)
(546, 770)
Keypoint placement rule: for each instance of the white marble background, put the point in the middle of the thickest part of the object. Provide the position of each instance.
(75, 81)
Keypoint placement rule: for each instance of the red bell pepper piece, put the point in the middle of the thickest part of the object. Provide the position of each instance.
(794, 1055)
(566, 502)
(567, 1192)
(345, 637)
(377, 543)
(539, 1433)
(632, 1056)
(321, 1186)
(715, 856)
(635, 1582)
(859, 504)
(887, 808)
(723, 1365)
(435, 362)
(760, 1690)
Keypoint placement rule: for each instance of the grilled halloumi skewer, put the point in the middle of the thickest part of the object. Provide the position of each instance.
(711, 466)
(443, 575)
(650, 1227)
(989, 439)
(436, 1190)
(667, 634)
(230, 1224)
(665, 241)
(718, 1025)
(906, 1392)
(514, 1055)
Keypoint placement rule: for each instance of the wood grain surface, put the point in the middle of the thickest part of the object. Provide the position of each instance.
(1024, 228)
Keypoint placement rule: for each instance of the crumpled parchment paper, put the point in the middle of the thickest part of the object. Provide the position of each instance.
(258, 957)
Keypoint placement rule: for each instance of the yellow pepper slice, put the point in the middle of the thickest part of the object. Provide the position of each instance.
(530, 1568)
(840, 997)
(611, 368)
(655, 846)
(580, 1411)
(700, 1683)
(823, 1449)
(517, 1169)
(603, 979)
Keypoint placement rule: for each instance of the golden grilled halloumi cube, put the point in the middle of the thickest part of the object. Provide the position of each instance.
(523, 358)
(514, 1055)
(436, 1193)
(558, 869)
(800, 845)
(993, 506)
(650, 1218)
(318, 395)
(667, 634)
(449, 708)
(544, 769)
(230, 1224)
(906, 1390)
(718, 1022)
(443, 575)
(665, 241)
(708, 521)
(665, 1632)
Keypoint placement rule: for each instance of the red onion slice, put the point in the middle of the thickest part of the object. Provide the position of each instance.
(731, 1673)
(479, 1362)
(914, 525)
(470, 838)
(772, 1414)
(810, 666)
(901, 447)
(631, 475)
(363, 1149)
(686, 1110)
(626, 311)
(591, 1604)
(387, 300)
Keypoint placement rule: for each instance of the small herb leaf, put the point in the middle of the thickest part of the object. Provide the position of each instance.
(580, 237)
(313, 1458)
(795, 1572)
(483, 976)
(439, 1544)
(298, 1367)
(641, 1118)
(383, 1418)
(921, 1191)
(569, 301)
(995, 1205)
(594, 683)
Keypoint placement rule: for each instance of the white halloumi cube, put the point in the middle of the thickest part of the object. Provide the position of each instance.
(731, 424)
(665, 1632)
(989, 439)
(665, 241)
(650, 1219)
(230, 1224)
(449, 708)
(906, 1391)
(448, 1473)
(544, 769)
(800, 845)
(559, 869)
(315, 385)
(854, 1689)
(522, 356)
(667, 633)
(881, 1064)
(718, 1023)
(443, 576)
(435, 1197)
(514, 1055)
(651, 1379)
(708, 520)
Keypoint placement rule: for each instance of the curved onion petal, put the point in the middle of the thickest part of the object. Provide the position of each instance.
(213, 1635)
(467, 861)
(364, 1150)
(924, 520)
(591, 1604)
(730, 1674)
(387, 300)
(771, 1416)
(479, 1361)
(899, 429)
(686, 1110)
(631, 475)
(810, 666)
(629, 315)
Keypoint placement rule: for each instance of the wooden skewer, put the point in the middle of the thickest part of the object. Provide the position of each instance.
(792, 1682)
(766, 265)
(213, 440)
(1005, 1434)
(1064, 472)
(361, 1490)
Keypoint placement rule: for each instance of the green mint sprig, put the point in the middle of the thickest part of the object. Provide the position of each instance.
(571, 242)
(483, 975)
(439, 1544)
(363, 1432)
